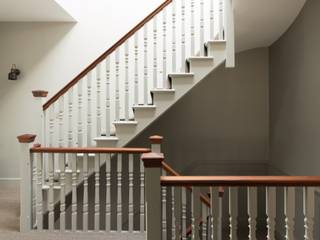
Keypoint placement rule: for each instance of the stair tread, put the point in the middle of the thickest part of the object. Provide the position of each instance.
(216, 41)
(202, 58)
(66, 171)
(181, 74)
(47, 187)
(144, 106)
(162, 90)
(125, 122)
(105, 138)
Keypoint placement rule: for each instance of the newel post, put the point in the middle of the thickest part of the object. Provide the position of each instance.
(26, 141)
(156, 143)
(40, 98)
(153, 165)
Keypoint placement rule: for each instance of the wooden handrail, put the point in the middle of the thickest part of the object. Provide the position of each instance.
(240, 181)
(105, 54)
(88, 150)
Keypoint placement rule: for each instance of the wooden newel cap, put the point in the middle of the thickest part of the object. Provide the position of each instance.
(40, 93)
(26, 138)
(156, 139)
(152, 160)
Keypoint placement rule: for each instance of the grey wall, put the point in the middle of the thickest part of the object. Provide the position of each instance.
(294, 96)
(221, 126)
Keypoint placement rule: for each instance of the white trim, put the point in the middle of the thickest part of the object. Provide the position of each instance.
(10, 179)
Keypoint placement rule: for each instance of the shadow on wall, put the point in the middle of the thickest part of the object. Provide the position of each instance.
(221, 126)
(26, 45)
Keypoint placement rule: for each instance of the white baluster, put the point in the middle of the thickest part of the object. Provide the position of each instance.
(85, 193)
(126, 88)
(196, 213)
(136, 68)
(51, 126)
(174, 52)
(131, 210)
(164, 54)
(108, 103)
(98, 72)
(184, 213)
(233, 212)
(215, 213)
(252, 211)
(183, 36)
(34, 190)
(221, 37)
(97, 193)
(39, 160)
(119, 195)
(201, 28)
(192, 32)
(211, 19)
(80, 100)
(155, 50)
(173, 219)
(60, 116)
(51, 192)
(164, 208)
(142, 210)
(108, 193)
(145, 49)
(70, 123)
(74, 193)
(271, 211)
(204, 216)
(89, 109)
(117, 86)
(308, 212)
(62, 166)
(289, 211)
(177, 212)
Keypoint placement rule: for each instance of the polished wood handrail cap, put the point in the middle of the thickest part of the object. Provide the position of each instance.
(152, 160)
(156, 139)
(26, 138)
(40, 93)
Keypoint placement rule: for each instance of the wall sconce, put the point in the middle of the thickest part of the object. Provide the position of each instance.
(14, 73)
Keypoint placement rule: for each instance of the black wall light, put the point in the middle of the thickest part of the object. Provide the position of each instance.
(14, 73)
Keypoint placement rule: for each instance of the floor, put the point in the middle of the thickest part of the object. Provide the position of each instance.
(9, 222)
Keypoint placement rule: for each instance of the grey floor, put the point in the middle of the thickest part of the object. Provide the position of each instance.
(9, 222)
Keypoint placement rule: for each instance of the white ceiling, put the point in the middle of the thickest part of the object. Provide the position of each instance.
(33, 11)
(259, 23)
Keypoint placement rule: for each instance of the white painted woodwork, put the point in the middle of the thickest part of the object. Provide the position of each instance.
(229, 31)
(271, 211)
(177, 212)
(74, 203)
(131, 207)
(96, 192)
(196, 213)
(142, 199)
(89, 109)
(108, 192)
(289, 211)
(62, 166)
(221, 29)
(173, 219)
(174, 50)
(51, 125)
(183, 35)
(108, 100)
(252, 209)
(51, 192)
(164, 209)
(212, 19)
(25, 188)
(308, 212)
(204, 216)
(60, 124)
(80, 119)
(215, 213)
(126, 87)
(201, 27)
(136, 68)
(192, 29)
(184, 213)
(117, 85)
(70, 118)
(233, 212)
(164, 51)
(145, 64)
(98, 100)
(85, 193)
(119, 192)
(39, 215)
(155, 53)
